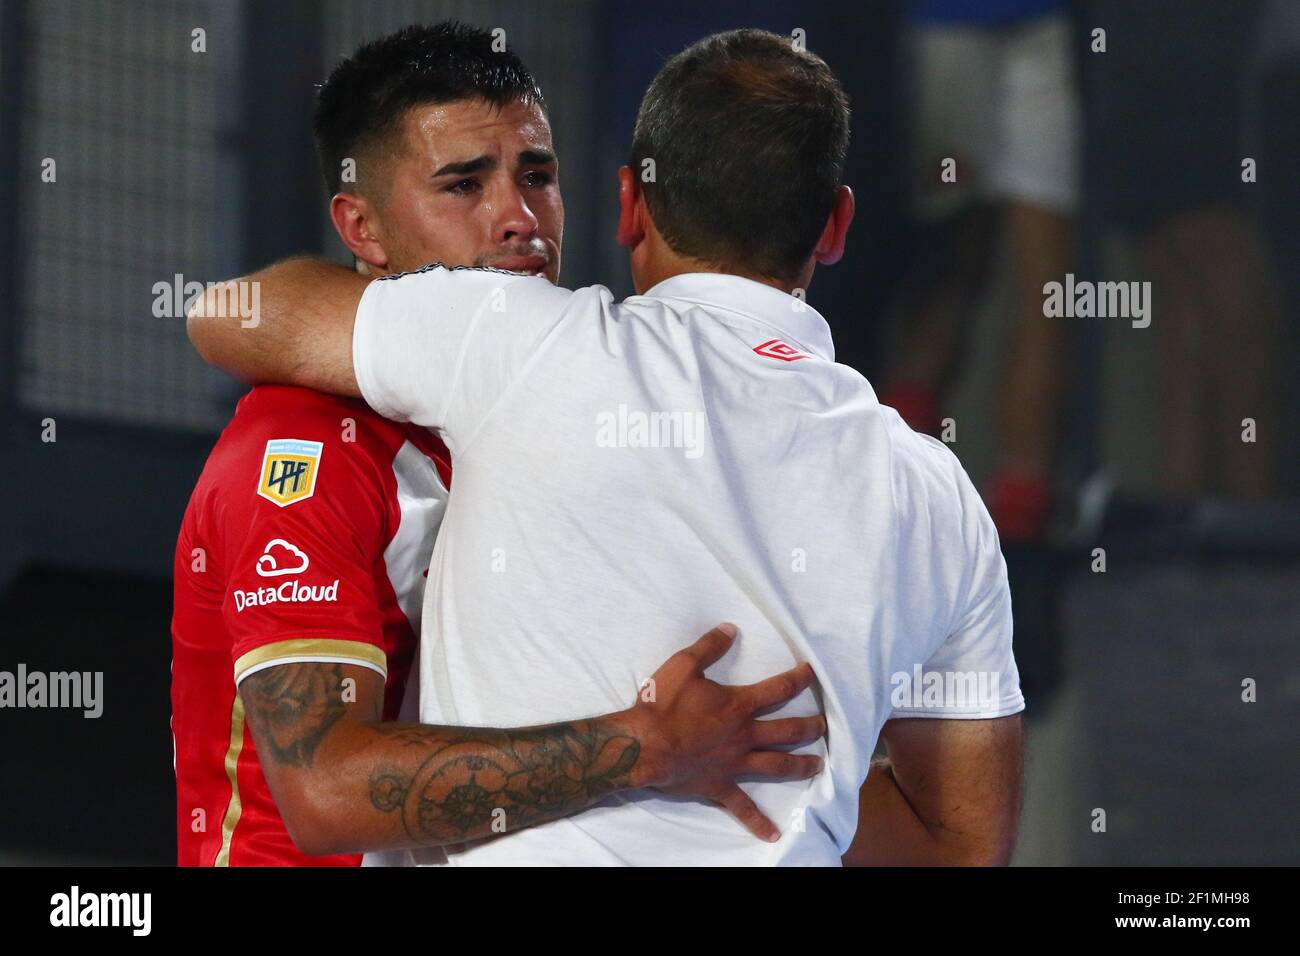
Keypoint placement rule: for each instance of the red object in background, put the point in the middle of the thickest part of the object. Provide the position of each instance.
(918, 406)
(1021, 506)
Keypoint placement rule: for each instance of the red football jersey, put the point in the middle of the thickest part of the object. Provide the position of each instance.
(307, 538)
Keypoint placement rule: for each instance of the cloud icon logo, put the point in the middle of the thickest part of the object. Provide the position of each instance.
(280, 558)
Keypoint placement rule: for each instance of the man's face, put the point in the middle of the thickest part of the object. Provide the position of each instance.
(476, 185)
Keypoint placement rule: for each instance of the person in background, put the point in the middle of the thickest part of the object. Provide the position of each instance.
(1170, 95)
(994, 153)
(1273, 135)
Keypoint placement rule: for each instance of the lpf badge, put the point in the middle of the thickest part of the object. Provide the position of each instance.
(289, 470)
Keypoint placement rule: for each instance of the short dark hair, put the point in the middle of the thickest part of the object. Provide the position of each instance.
(748, 137)
(363, 101)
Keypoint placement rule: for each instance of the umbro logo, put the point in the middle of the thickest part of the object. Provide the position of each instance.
(775, 348)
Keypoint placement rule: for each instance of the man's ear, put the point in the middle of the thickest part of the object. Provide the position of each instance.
(354, 219)
(830, 247)
(631, 205)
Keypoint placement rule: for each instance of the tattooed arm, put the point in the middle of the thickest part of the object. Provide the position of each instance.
(345, 782)
(948, 794)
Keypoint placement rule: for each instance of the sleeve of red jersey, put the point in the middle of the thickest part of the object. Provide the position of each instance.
(302, 587)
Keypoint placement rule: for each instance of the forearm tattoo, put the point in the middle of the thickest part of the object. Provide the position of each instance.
(447, 784)
(475, 783)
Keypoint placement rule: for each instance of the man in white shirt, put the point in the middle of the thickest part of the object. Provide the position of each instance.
(634, 468)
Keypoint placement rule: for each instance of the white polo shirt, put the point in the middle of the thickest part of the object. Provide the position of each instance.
(627, 475)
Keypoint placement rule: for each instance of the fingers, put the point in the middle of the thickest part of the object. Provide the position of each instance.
(737, 802)
(708, 650)
(781, 766)
(788, 730)
(778, 689)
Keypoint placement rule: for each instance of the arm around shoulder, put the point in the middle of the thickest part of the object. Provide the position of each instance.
(290, 323)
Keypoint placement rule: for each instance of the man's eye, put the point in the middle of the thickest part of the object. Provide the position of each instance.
(464, 186)
(537, 178)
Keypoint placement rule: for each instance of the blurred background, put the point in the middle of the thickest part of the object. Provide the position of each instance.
(1141, 466)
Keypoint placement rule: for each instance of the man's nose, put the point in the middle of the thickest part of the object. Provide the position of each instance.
(514, 219)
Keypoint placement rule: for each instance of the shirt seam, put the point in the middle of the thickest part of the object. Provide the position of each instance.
(1005, 708)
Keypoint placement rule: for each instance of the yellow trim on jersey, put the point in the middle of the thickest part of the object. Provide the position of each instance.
(313, 649)
(235, 808)
(302, 649)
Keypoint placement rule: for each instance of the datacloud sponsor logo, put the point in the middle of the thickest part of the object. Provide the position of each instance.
(948, 690)
(76, 908)
(628, 428)
(76, 690)
(280, 558)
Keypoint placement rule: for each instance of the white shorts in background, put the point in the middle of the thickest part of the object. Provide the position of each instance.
(1003, 102)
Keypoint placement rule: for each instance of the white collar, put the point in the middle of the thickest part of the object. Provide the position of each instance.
(793, 318)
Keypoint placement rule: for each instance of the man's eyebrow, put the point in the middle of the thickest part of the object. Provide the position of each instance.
(536, 157)
(479, 164)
